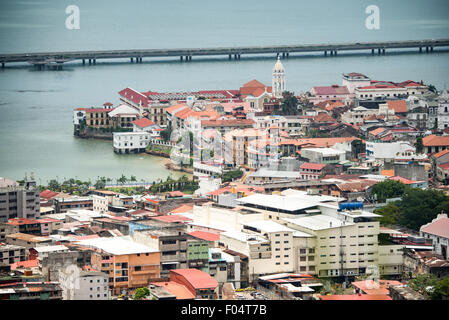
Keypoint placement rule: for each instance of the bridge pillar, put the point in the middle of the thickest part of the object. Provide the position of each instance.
(288, 53)
(180, 58)
(420, 49)
(372, 51)
(84, 62)
(90, 61)
(239, 56)
(283, 54)
(230, 56)
(383, 51)
(427, 49)
(95, 61)
(325, 53)
(431, 49)
(3, 65)
(378, 51)
(335, 52)
(132, 60)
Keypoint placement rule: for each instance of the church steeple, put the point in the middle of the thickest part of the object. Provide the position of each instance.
(278, 80)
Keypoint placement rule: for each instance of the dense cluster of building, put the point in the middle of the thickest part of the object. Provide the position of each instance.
(300, 214)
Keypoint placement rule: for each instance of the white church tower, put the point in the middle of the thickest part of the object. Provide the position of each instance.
(278, 81)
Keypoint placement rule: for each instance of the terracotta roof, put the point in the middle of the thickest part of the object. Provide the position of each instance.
(172, 218)
(177, 289)
(376, 288)
(356, 297)
(444, 166)
(435, 141)
(21, 221)
(399, 106)
(439, 228)
(208, 236)
(197, 278)
(48, 194)
(323, 117)
(389, 173)
(176, 193)
(98, 109)
(403, 180)
(134, 96)
(143, 122)
(441, 153)
(312, 166)
(181, 209)
(254, 83)
(174, 108)
(377, 131)
(25, 264)
(227, 122)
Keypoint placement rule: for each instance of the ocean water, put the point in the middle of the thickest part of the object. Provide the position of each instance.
(36, 131)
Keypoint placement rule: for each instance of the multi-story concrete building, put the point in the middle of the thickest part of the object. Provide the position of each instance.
(18, 201)
(10, 254)
(129, 264)
(86, 285)
(131, 142)
(168, 239)
(65, 204)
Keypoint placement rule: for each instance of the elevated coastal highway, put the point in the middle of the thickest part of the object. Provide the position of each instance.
(329, 49)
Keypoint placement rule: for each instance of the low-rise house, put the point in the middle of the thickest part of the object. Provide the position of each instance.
(27, 240)
(199, 283)
(426, 262)
(87, 285)
(288, 286)
(438, 232)
(31, 291)
(311, 171)
(75, 202)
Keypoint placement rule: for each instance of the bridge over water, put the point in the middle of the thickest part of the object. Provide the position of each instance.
(57, 59)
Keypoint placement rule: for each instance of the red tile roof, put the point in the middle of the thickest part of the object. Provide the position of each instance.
(403, 180)
(323, 117)
(172, 218)
(178, 290)
(197, 278)
(399, 106)
(208, 236)
(181, 209)
(25, 264)
(435, 141)
(134, 96)
(439, 228)
(372, 287)
(312, 166)
(98, 109)
(441, 153)
(48, 194)
(331, 90)
(21, 221)
(143, 122)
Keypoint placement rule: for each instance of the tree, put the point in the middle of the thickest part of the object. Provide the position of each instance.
(390, 214)
(289, 104)
(133, 179)
(122, 179)
(100, 184)
(423, 283)
(141, 293)
(54, 185)
(441, 289)
(388, 189)
(419, 145)
(432, 88)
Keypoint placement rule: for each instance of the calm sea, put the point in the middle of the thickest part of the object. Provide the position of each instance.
(36, 132)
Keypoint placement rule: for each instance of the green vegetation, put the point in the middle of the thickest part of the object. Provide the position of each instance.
(419, 145)
(289, 104)
(441, 289)
(231, 175)
(166, 133)
(72, 186)
(141, 293)
(388, 189)
(182, 184)
(162, 150)
(416, 208)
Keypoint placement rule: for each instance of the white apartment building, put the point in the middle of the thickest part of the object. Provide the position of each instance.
(86, 285)
(100, 203)
(128, 142)
(438, 232)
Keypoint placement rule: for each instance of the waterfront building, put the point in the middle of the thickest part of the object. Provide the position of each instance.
(131, 142)
(143, 125)
(123, 116)
(97, 118)
(278, 80)
(18, 201)
(389, 89)
(355, 80)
